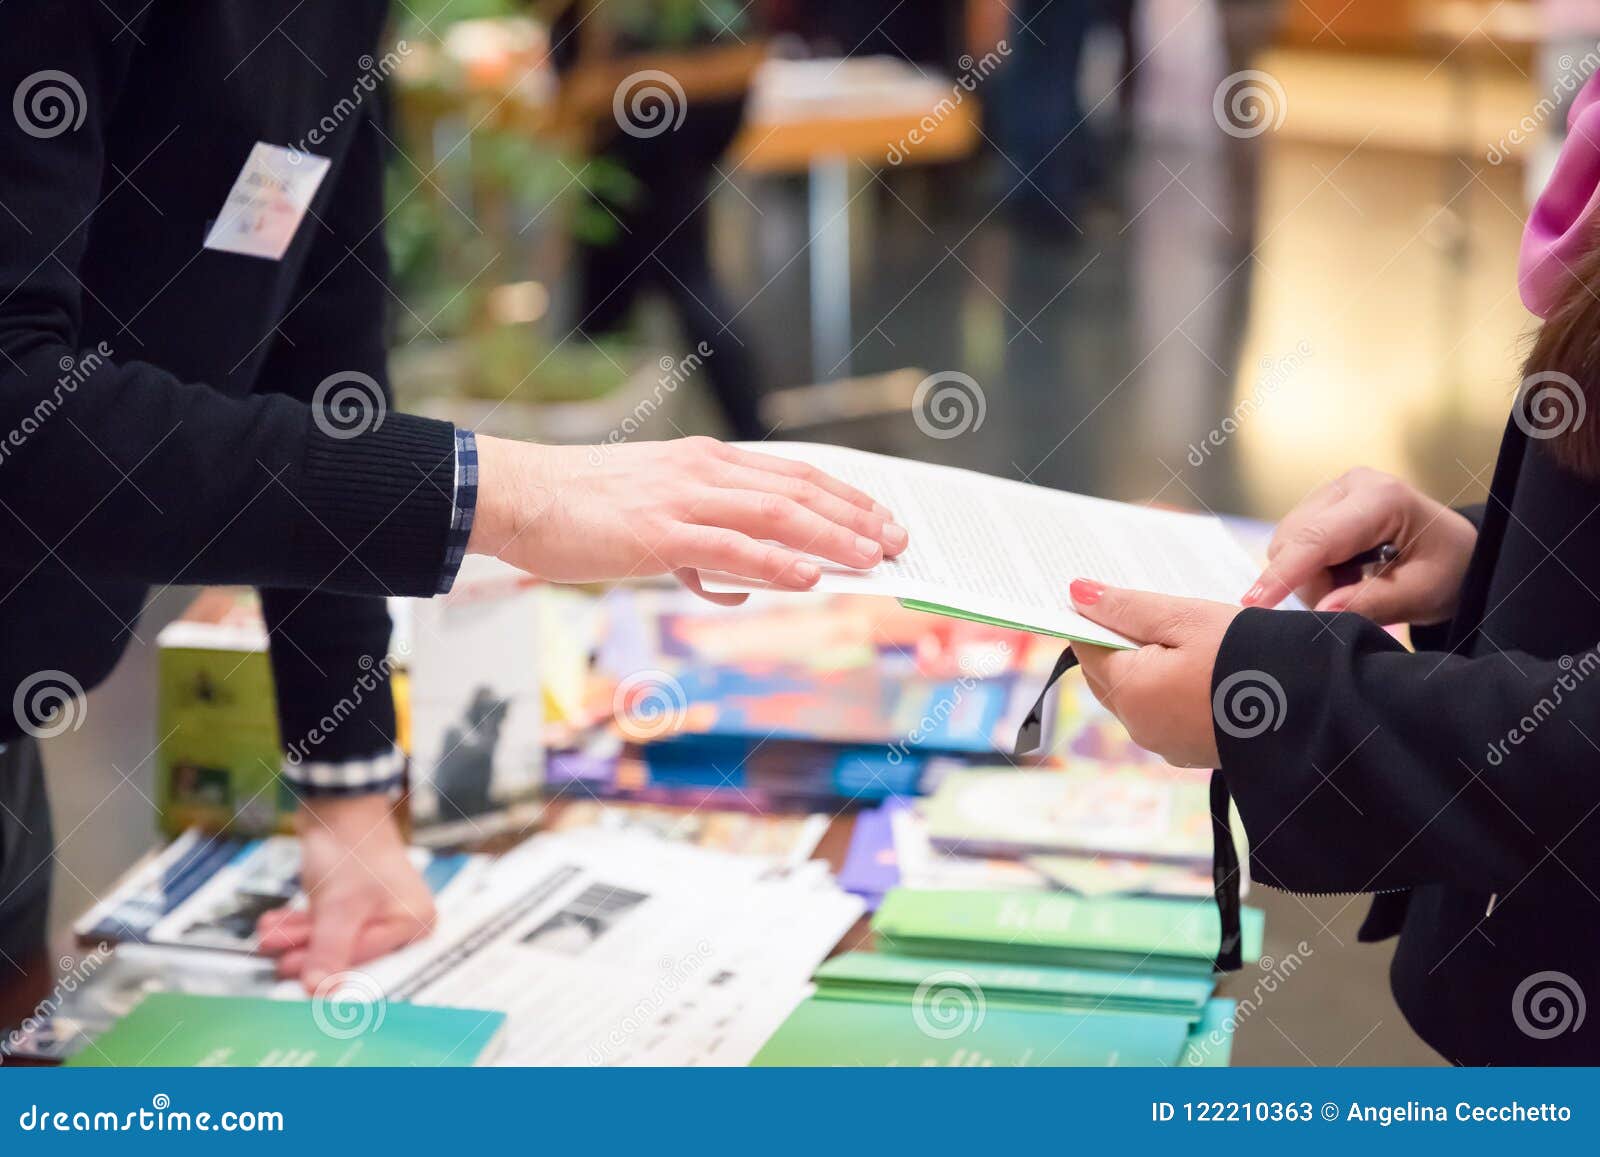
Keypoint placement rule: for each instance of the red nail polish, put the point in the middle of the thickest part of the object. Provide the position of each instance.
(1253, 595)
(1086, 593)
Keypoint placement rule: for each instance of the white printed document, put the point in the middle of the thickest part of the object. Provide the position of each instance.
(621, 949)
(1003, 551)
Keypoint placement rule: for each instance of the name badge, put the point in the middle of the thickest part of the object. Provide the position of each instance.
(267, 202)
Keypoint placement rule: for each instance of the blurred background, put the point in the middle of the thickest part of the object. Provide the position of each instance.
(1208, 253)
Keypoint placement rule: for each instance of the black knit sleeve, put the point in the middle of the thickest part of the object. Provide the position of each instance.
(115, 468)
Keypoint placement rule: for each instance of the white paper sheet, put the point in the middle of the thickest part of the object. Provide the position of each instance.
(621, 949)
(1007, 550)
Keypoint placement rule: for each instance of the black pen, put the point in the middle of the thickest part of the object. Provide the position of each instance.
(1352, 570)
(1381, 555)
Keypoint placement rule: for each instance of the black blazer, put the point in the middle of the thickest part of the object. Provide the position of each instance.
(1461, 782)
(186, 452)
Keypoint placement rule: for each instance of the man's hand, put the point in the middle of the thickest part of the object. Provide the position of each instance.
(587, 513)
(365, 897)
(1361, 510)
(1162, 691)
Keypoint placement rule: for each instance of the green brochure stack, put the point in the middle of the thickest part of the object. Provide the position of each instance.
(1031, 979)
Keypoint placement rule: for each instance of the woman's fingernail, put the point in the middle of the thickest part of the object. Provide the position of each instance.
(807, 572)
(1334, 607)
(1087, 593)
(1253, 595)
(866, 548)
(895, 536)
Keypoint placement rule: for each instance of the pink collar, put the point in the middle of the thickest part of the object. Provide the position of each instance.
(1566, 219)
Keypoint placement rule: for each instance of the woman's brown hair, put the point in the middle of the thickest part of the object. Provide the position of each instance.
(1559, 399)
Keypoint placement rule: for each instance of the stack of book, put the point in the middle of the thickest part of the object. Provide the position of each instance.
(1124, 934)
(1030, 978)
(888, 979)
(833, 1032)
(784, 705)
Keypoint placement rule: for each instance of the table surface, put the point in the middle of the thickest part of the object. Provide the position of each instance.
(22, 995)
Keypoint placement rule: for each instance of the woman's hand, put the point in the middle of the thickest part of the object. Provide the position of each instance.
(365, 898)
(1359, 511)
(586, 513)
(1162, 691)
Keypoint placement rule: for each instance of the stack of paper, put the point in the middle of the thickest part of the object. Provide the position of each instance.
(1152, 812)
(1003, 552)
(608, 948)
(787, 839)
(1093, 827)
(601, 946)
(209, 891)
(924, 867)
(1121, 934)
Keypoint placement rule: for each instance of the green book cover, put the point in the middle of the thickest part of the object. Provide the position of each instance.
(1116, 932)
(217, 763)
(955, 1030)
(177, 1030)
(882, 977)
(1210, 1043)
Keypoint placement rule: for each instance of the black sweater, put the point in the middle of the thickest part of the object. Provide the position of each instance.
(190, 454)
(1462, 782)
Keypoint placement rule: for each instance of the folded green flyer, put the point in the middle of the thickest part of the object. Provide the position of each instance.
(1210, 1043)
(1119, 933)
(177, 1030)
(876, 976)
